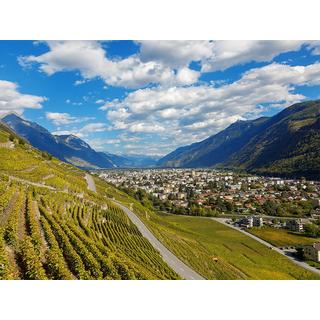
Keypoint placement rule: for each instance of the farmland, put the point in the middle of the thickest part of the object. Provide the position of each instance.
(281, 237)
(52, 227)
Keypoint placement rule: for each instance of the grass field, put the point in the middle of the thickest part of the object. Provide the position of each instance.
(281, 237)
(214, 250)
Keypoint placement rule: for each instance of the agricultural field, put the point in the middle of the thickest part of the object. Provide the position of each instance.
(281, 237)
(212, 249)
(53, 227)
(53, 235)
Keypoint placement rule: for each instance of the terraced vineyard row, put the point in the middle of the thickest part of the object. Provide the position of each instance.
(55, 235)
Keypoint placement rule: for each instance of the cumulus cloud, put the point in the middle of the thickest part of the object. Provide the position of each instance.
(11, 100)
(175, 53)
(58, 118)
(84, 131)
(100, 144)
(192, 113)
(91, 60)
(229, 53)
(94, 127)
(67, 133)
(216, 55)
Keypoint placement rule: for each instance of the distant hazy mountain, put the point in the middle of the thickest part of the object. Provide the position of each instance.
(131, 161)
(285, 144)
(68, 148)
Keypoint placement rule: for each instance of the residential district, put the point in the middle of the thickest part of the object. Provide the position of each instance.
(248, 200)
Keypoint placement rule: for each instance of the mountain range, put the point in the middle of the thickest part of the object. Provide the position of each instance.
(70, 148)
(287, 143)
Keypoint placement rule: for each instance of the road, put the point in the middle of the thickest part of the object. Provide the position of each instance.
(30, 182)
(90, 182)
(269, 245)
(176, 264)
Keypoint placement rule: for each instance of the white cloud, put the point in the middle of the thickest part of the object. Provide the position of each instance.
(229, 53)
(187, 76)
(101, 144)
(174, 53)
(146, 128)
(217, 55)
(11, 100)
(187, 114)
(67, 133)
(94, 127)
(84, 131)
(91, 60)
(58, 118)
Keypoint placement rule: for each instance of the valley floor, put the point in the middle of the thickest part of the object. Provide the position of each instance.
(214, 250)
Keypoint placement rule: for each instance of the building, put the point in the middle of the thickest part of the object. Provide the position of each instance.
(295, 225)
(312, 252)
(246, 222)
(257, 221)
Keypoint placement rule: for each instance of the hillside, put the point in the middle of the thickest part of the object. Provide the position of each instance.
(53, 227)
(68, 148)
(285, 144)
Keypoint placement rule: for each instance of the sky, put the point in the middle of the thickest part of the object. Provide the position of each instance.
(150, 97)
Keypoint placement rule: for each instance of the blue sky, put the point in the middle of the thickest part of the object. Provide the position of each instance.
(149, 97)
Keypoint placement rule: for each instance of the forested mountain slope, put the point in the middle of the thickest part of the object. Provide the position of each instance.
(285, 144)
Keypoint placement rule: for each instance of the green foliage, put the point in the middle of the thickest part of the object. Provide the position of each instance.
(32, 266)
(5, 272)
(56, 265)
(10, 231)
(33, 223)
(72, 258)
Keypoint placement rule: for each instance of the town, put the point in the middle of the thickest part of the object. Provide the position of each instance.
(242, 200)
(227, 192)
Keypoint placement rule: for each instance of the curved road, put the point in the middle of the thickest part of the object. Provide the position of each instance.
(90, 182)
(293, 259)
(176, 264)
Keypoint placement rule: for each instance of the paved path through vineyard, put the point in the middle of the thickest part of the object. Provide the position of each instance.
(90, 182)
(177, 265)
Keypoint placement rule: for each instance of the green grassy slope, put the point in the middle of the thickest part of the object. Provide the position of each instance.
(281, 237)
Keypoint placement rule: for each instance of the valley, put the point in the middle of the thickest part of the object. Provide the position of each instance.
(55, 226)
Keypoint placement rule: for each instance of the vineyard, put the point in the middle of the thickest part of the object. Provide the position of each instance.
(53, 227)
(53, 235)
